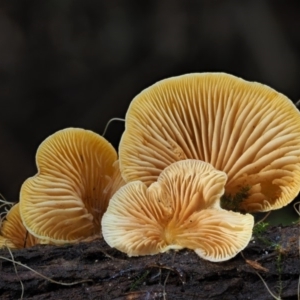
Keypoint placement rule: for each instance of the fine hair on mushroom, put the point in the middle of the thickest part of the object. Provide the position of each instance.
(246, 129)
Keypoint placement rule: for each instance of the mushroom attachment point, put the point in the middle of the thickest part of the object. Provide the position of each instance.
(180, 210)
(246, 129)
(65, 200)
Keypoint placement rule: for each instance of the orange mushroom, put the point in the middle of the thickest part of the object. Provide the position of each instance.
(180, 210)
(13, 233)
(65, 200)
(245, 129)
(115, 182)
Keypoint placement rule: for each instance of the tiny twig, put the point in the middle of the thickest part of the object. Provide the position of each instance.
(264, 218)
(111, 257)
(4, 203)
(3, 197)
(265, 284)
(16, 271)
(297, 209)
(111, 120)
(266, 257)
(164, 286)
(297, 104)
(43, 276)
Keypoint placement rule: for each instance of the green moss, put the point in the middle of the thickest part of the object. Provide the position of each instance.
(260, 228)
(233, 202)
(258, 232)
(279, 263)
(139, 281)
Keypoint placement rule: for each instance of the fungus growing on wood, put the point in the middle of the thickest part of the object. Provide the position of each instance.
(245, 129)
(65, 200)
(180, 210)
(13, 233)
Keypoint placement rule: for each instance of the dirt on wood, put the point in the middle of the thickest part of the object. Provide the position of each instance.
(109, 274)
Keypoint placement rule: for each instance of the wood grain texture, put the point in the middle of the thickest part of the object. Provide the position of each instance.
(112, 275)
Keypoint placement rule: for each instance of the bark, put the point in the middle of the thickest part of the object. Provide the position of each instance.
(109, 274)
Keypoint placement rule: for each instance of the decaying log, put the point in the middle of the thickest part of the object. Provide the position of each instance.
(109, 274)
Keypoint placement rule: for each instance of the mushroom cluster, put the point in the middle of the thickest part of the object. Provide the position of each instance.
(199, 153)
(246, 129)
(179, 210)
(64, 202)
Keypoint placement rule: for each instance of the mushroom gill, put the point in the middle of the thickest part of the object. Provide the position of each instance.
(246, 129)
(180, 210)
(65, 200)
(13, 233)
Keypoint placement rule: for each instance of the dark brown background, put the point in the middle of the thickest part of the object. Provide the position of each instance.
(79, 63)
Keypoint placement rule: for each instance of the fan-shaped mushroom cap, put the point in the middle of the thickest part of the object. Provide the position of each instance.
(180, 210)
(64, 202)
(245, 129)
(13, 233)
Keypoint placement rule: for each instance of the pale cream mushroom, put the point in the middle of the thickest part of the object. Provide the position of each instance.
(65, 200)
(180, 210)
(246, 129)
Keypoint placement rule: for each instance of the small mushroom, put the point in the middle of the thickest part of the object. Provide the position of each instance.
(245, 129)
(180, 210)
(13, 233)
(65, 200)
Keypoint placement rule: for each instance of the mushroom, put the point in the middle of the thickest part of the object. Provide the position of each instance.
(13, 233)
(65, 200)
(115, 182)
(245, 129)
(180, 210)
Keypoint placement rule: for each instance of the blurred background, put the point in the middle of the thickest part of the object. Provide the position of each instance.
(79, 63)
